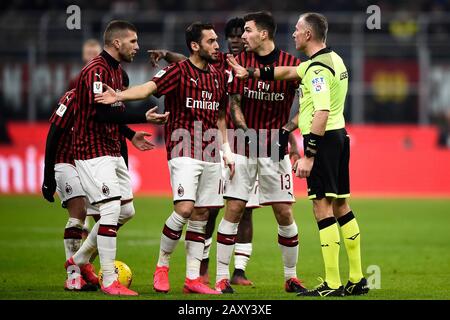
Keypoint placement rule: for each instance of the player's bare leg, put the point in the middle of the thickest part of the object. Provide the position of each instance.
(210, 225)
(288, 243)
(226, 239)
(243, 249)
(356, 284)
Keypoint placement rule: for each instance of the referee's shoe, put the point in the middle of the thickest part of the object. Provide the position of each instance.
(323, 290)
(356, 289)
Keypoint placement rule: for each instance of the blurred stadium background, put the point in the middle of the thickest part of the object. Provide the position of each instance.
(398, 107)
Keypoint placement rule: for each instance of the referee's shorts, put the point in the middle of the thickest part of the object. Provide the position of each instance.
(330, 174)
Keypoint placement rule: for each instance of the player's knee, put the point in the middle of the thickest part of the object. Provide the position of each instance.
(109, 212)
(284, 215)
(127, 212)
(184, 208)
(77, 208)
(235, 207)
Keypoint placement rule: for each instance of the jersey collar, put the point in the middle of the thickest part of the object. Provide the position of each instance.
(321, 51)
(270, 58)
(110, 60)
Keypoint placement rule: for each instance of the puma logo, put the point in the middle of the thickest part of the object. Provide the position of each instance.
(194, 81)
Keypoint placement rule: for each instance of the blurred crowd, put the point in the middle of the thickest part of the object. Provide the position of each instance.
(229, 5)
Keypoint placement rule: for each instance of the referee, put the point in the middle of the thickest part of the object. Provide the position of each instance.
(324, 84)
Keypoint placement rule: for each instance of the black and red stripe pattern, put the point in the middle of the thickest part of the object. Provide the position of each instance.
(226, 239)
(193, 97)
(195, 236)
(171, 234)
(265, 104)
(73, 233)
(62, 117)
(107, 230)
(92, 139)
(288, 242)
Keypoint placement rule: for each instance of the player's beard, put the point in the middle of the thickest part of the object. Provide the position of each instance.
(206, 56)
(126, 57)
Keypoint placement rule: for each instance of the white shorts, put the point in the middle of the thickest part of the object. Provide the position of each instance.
(275, 181)
(253, 201)
(196, 180)
(105, 178)
(68, 186)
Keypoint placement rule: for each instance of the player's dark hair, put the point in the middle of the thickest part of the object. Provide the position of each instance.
(318, 23)
(125, 79)
(263, 21)
(194, 32)
(114, 27)
(235, 23)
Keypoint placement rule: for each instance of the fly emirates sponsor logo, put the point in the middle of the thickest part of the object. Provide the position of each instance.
(263, 93)
(205, 103)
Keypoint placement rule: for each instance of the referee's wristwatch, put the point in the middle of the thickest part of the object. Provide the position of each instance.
(309, 154)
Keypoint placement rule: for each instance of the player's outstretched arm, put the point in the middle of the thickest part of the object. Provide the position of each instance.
(157, 118)
(137, 138)
(140, 92)
(158, 54)
(267, 73)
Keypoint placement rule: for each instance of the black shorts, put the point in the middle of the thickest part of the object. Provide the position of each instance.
(330, 173)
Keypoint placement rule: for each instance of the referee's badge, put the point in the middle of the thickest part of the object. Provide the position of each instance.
(319, 84)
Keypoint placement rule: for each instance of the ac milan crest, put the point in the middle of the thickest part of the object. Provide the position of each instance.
(68, 189)
(180, 191)
(105, 190)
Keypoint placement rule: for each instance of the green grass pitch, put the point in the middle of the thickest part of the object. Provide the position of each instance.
(408, 239)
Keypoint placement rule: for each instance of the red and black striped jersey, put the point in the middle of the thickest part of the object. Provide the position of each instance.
(62, 117)
(92, 139)
(193, 97)
(265, 104)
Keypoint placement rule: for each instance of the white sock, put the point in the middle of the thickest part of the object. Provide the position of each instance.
(226, 238)
(288, 243)
(207, 248)
(169, 238)
(72, 236)
(107, 239)
(88, 248)
(194, 243)
(242, 253)
(107, 253)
